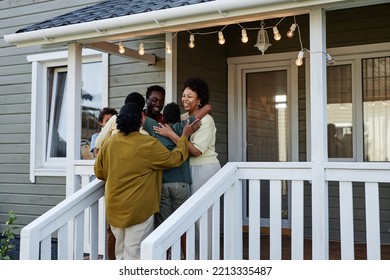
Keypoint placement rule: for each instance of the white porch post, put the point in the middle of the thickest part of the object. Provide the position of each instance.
(73, 125)
(171, 71)
(73, 129)
(320, 235)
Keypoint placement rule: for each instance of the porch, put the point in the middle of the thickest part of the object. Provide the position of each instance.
(78, 223)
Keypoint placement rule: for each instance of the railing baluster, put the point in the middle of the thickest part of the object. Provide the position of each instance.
(94, 231)
(79, 237)
(176, 250)
(275, 220)
(254, 220)
(62, 243)
(215, 238)
(46, 248)
(203, 236)
(190, 243)
(372, 221)
(346, 221)
(297, 215)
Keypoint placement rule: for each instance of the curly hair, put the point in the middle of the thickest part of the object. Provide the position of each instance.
(171, 113)
(106, 111)
(150, 89)
(201, 88)
(129, 118)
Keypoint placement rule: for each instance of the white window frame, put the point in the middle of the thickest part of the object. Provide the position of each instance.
(353, 56)
(39, 164)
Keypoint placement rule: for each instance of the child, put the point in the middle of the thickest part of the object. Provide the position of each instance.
(104, 115)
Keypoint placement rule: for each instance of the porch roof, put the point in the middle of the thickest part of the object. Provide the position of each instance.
(116, 20)
(108, 9)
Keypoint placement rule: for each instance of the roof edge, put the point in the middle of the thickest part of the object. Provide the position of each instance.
(202, 12)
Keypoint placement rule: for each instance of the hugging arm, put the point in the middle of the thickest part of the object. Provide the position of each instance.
(167, 131)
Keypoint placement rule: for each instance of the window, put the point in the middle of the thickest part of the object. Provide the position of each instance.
(49, 114)
(358, 105)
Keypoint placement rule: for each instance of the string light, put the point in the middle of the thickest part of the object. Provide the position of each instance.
(277, 35)
(168, 48)
(299, 60)
(221, 39)
(244, 36)
(141, 50)
(290, 33)
(121, 48)
(191, 44)
(262, 42)
(329, 59)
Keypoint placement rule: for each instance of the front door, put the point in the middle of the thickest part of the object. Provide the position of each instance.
(266, 126)
(262, 105)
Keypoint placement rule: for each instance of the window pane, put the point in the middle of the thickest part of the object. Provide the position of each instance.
(376, 108)
(91, 102)
(339, 94)
(57, 132)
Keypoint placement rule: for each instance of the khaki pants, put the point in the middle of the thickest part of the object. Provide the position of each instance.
(128, 240)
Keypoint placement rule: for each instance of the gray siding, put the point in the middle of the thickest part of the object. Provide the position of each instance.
(28, 200)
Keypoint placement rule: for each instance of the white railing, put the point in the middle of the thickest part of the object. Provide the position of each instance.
(217, 206)
(76, 225)
(228, 184)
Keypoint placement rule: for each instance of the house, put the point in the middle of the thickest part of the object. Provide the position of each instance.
(273, 100)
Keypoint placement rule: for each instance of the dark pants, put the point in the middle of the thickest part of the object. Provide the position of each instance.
(110, 244)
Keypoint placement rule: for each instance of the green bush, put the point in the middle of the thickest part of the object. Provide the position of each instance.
(8, 236)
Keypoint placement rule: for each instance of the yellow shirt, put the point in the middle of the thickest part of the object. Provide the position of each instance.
(132, 167)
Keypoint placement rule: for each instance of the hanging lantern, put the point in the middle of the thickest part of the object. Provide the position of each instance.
(262, 42)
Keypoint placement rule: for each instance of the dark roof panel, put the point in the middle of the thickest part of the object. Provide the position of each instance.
(109, 9)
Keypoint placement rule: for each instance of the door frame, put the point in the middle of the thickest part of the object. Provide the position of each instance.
(238, 67)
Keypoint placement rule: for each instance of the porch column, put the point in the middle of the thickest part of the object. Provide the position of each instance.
(318, 100)
(171, 71)
(73, 121)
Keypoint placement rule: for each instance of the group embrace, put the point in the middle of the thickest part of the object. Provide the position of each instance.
(152, 160)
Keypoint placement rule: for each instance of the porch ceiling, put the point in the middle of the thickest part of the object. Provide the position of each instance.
(173, 16)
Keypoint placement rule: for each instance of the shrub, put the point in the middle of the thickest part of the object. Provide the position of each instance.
(8, 236)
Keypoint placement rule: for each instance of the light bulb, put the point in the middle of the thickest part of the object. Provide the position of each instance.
(168, 48)
(290, 33)
(299, 60)
(221, 39)
(141, 50)
(191, 44)
(277, 35)
(329, 59)
(121, 48)
(244, 36)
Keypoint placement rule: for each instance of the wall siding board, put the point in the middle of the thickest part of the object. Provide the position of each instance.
(11, 139)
